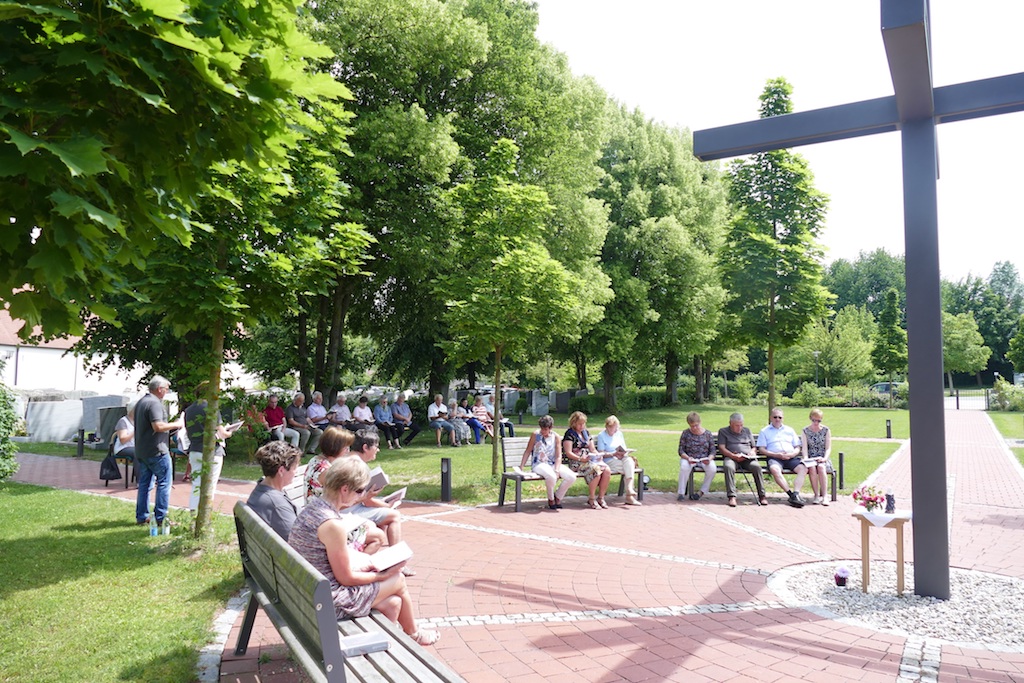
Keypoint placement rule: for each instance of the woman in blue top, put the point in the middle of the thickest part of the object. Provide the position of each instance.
(542, 451)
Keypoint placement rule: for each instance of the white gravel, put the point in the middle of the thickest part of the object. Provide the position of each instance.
(983, 608)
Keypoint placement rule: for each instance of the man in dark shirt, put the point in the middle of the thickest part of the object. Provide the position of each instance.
(296, 417)
(152, 450)
(739, 451)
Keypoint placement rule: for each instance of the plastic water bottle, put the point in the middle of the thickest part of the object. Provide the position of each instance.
(152, 525)
(166, 530)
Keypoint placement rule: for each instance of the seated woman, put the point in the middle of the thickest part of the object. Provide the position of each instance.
(483, 417)
(320, 535)
(816, 447)
(612, 445)
(278, 460)
(696, 449)
(542, 453)
(466, 414)
(462, 430)
(579, 451)
(336, 443)
(124, 435)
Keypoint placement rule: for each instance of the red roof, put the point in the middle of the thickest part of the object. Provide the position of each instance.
(9, 334)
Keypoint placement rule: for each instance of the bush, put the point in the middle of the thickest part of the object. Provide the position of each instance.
(522, 405)
(8, 423)
(640, 399)
(1006, 396)
(808, 395)
(742, 389)
(590, 404)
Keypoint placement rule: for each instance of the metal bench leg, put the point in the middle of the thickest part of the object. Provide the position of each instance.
(639, 473)
(250, 618)
(501, 494)
(832, 476)
(622, 484)
(519, 494)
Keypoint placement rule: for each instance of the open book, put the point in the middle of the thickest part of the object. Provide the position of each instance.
(395, 499)
(233, 426)
(390, 556)
(378, 480)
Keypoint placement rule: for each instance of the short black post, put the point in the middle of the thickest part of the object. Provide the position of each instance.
(888, 429)
(958, 399)
(81, 444)
(842, 469)
(446, 480)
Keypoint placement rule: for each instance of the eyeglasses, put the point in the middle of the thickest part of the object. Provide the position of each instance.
(815, 420)
(358, 491)
(776, 417)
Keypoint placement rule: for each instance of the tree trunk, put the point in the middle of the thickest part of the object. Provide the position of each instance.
(302, 346)
(342, 297)
(435, 380)
(608, 372)
(707, 380)
(671, 378)
(581, 369)
(949, 374)
(471, 374)
(210, 432)
(698, 378)
(497, 466)
(771, 378)
(320, 350)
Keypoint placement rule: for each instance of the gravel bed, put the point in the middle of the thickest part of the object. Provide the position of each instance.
(983, 608)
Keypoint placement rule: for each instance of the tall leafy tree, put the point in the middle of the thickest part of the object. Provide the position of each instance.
(108, 145)
(1016, 352)
(511, 297)
(889, 353)
(963, 348)
(771, 263)
(993, 313)
(843, 345)
(865, 280)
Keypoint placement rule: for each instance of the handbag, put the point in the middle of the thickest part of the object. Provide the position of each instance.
(109, 469)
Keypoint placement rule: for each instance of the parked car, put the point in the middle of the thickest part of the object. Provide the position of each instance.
(886, 387)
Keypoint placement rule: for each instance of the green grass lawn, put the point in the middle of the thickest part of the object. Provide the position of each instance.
(418, 466)
(1010, 425)
(85, 596)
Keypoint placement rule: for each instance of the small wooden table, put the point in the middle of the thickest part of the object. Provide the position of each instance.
(895, 521)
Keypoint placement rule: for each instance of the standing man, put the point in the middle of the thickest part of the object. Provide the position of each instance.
(296, 417)
(739, 452)
(780, 444)
(152, 450)
(402, 415)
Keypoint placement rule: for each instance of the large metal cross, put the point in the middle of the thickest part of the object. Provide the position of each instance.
(914, 110)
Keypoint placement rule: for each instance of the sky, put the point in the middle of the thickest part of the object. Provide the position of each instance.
(703, 63)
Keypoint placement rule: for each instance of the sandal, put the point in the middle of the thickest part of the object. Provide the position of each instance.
(408, 571)
(425, 637)
(186, 479)
(592, 503)
(604, 505)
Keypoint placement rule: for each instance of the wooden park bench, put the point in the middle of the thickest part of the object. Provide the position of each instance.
(297, 599)
(296, 491)
(720, 469)
(513, 448)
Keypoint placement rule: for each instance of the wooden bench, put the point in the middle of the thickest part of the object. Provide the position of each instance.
(720, 469)
(297, 599)
(296, 491)
(512, 450)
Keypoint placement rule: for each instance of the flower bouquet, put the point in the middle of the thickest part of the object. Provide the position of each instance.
(870, 497)
(842, 574)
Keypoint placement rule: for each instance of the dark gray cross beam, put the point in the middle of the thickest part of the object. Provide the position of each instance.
(914, 110)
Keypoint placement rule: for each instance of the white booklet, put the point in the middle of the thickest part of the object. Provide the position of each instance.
(378, 480)
(390, 556)
(395, 499)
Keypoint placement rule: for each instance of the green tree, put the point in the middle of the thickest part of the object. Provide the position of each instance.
(993, 313)
(511, 297)
(843, 345)
(771, 261)
(889, 353)
(108, 145)
(1016, 352)
(864, 281)
(963, 348)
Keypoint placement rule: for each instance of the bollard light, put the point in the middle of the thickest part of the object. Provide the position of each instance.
(446, 480)
(888, 429)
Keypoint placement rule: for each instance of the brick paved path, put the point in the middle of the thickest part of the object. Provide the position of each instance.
(668, 591)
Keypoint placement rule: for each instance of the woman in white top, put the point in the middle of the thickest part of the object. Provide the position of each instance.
(124, 435)
(542, 451)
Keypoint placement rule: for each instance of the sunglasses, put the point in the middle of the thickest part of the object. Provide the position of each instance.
(358, 491)
(815, 420)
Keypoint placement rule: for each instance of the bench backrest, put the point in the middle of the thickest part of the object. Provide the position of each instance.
(296, 491)
(512, 450)
(297, 591)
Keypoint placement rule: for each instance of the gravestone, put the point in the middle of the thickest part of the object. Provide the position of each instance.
(539, 406)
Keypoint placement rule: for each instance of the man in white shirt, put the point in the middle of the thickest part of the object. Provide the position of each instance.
(339, 414)
(781, 445)
(437, 413)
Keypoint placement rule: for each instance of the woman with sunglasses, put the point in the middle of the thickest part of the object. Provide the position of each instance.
(320, 535)
(816, 446)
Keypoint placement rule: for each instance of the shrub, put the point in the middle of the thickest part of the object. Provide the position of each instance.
(742, 389)
(590, 404)
(807, 394)
(522, 405)
(1006, 396)
(640, 399)
(8, 423)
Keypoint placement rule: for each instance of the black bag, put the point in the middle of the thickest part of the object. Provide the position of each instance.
(109, 469)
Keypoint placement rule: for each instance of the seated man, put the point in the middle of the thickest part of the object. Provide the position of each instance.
(298, 419)
(739, 451)
(317, 413)
(362, 416)
(437, 413)
(340, 416)
(780, 444)
(272, 418)
(385, 423)
(402, 415)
